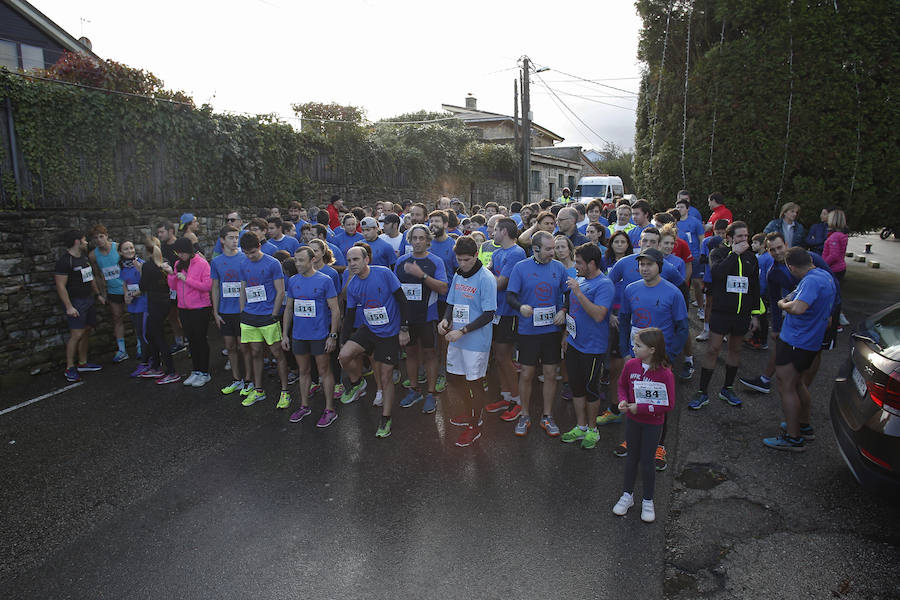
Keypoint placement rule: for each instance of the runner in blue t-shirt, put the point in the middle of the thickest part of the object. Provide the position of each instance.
(536, 286)
(706, 246)
(225, 272)
(278, 239)
(135, 302)
(422, 277)
(807, 312)
(346, 237)
(376, 293)
(471, 302)
(626, 270)
(587, 341)
(310, 327)
(382, 252)
(262, 291)
(691, 230)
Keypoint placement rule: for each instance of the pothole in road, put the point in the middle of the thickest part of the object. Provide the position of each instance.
(702, 476)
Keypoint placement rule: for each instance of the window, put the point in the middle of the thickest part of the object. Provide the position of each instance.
(559, 182)
(32, 57)
(571, 182)
(9, 57)
(535, 181)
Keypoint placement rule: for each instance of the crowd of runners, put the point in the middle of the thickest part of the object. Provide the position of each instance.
(589, 300)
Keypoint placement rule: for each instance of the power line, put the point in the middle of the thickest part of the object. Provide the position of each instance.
(594, 81)
(590, 99)
(574, 114)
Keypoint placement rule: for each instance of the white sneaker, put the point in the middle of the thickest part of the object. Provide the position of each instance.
(704, 335)
(228, 365)
(541, 378)
(624, 503)
(648, 514)
(191, 378)
(201, 380)
(844, 322)
(379, 399)
(701, 314)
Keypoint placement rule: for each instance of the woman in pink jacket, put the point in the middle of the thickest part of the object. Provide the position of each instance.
(836, 245)
(191, 280)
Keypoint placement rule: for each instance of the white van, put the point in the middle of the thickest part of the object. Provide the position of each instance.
(602, 187)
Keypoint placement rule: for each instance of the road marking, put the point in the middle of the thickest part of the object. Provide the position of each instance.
(39, 398)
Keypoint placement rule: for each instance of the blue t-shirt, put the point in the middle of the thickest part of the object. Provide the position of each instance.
(339, 258)
(765, 261)
(421, 299)
(268, 248)
(625, 272)
(659, 306)
(583, 228)
(676, 262)
(335, 277)
(131, 280)
(706, 246)
(444, 251)
(227, 271)
(502, 262)
(691, 231)
(470, 297)
(259, 281)
(541, 287)
(808, 330)
(635, 235)
(382, 253)
(693, 212)
(109, 268)
(312, 316)
(286, 243)
(373, 298)
(585, 334)
(345, 242)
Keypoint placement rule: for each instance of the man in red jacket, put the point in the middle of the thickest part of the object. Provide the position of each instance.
(335, 205)
(719, 211)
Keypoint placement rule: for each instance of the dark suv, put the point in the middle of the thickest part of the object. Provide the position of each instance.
(865, 403)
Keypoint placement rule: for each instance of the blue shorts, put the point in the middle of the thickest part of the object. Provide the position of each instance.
(87, 313)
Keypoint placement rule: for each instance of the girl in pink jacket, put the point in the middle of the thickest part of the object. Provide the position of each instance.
(646, 394)
(836, 245)
(190, 278)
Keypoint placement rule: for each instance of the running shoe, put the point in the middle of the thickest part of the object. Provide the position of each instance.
(757, 384)
(338, 391)
(806, 431)
(660, 459)
(368, 372)
(395, 377)
(430, 404)
(701, 314)
(88, 367)
(293, 377)
(566, 392)
(139, 369)
(466, 420)
(694, 302)
(785, 442)
(621, 450)
(168, 378)
(189, 380)
(410, 399)
(753, 344)
(523, 425)
(314, 388)
(573, 435)
(407, 384)
(704, 336)
(328, 417)
(353, 394)
(201, 380)
(379, 399)
(224, 351)
(423, 377)
(152, 374)
(176, 348)
(235, 386)
(512, 412)
(699, 401)
(609, 417)
(298, 415)
(484, 383)
(591, 439)
(468, 437)
(227, 366)
(441, 384)
(843, 320)
(284, 400)
(120, 356)
(71, 375)
(253, 397)
(648, 512)
(687, 371)
(624, 503)
(499, 405)
(384, 430)
(248, 387)
(728, 395)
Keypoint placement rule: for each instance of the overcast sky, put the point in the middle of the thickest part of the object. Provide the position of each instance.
(387, 56)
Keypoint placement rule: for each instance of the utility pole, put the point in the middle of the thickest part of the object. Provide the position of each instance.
(517, 188)
(526, 127)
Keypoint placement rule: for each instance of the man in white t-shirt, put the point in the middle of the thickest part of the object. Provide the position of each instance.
(391, 235)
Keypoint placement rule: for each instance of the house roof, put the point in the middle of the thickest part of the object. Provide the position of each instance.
(48, 27)
(469, 115)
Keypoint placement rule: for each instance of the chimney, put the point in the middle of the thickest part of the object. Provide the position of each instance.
(471, 102)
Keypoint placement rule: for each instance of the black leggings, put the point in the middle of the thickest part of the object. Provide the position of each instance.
(157, 353)
(195, 322)
(642, 440)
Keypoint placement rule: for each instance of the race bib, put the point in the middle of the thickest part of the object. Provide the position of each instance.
(111, 272)
(231, 289)
(412, 291)
(87, 275)
(376, 316)
(133, 289)
(570, 325)
(305, 308)
(543, 316)
(651, 392)
(461, 313)
(408, 249)
(737, 284)
(256, 293)
(173, 295)
(496, 319)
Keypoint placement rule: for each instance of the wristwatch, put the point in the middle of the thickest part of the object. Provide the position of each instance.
(332, 336)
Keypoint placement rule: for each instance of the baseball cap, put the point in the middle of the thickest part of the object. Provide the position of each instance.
(368, 223)
(186, 219)
(654, 255)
